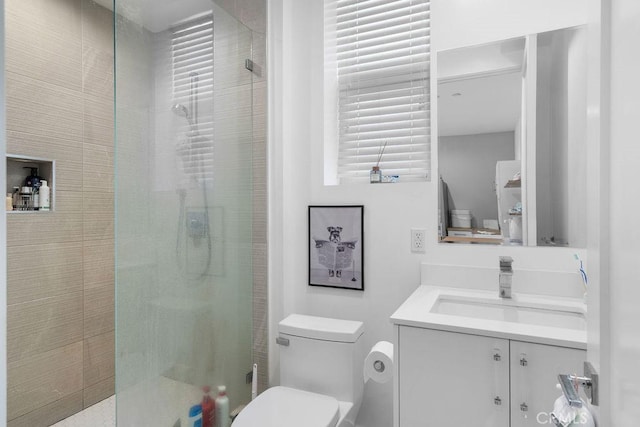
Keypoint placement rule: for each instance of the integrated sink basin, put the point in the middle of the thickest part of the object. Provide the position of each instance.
(543, 319)
(511, 311)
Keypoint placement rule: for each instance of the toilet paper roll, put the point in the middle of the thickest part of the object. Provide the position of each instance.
(378, 365)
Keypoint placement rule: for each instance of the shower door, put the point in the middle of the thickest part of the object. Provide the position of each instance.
(183, 208)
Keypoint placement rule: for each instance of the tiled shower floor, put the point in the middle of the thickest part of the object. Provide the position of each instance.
(171, 398)
(102, 414)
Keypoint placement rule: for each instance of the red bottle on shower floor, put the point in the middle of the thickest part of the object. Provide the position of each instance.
(208, 409)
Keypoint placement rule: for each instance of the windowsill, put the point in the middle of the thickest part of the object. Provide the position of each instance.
(380, 184)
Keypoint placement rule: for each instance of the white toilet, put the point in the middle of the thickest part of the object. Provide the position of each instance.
(321, 363)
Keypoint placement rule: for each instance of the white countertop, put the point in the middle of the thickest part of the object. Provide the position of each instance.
(416, 312)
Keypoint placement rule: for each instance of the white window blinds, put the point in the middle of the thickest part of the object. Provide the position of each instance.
(383, 63)
(192, 67)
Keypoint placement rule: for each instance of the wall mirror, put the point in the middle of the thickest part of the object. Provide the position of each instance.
(511, 141)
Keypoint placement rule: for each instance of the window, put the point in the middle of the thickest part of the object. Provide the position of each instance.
(381, 52)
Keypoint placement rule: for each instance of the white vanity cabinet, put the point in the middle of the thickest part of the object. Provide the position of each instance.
(456, 379)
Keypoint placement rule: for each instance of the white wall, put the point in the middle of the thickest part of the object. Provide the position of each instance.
(296, 136)
(598, 106)
(624, 198)
(613, 248)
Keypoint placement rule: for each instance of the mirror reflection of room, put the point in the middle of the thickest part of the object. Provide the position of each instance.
(511, 131)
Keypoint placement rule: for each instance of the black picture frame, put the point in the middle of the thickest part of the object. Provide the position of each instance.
(336, 246)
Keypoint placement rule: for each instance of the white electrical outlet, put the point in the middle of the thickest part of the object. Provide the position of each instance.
(418, 240)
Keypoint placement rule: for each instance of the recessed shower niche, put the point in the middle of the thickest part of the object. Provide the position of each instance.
(30, 184)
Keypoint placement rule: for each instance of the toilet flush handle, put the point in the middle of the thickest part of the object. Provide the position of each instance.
(282, 341)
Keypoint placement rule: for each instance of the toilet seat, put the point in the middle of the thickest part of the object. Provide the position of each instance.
(288, 407)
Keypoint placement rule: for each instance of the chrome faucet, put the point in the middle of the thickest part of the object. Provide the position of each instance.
(506, 277)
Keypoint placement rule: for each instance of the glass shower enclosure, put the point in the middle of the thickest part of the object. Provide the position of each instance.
(183, 112)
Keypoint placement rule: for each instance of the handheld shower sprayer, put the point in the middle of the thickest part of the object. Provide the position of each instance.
(182, 111)
(190, 113)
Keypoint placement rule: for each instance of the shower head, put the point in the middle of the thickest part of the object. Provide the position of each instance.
(182, 111)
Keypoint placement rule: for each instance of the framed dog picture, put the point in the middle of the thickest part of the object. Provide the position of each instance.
(336, 247)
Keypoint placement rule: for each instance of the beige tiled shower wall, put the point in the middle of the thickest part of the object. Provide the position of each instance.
(60, 346)
(253, 14)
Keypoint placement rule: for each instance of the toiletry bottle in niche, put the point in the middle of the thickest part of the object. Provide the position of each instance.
(45, 196)
(32, 180)
(208, 409)
(222, 408)
(26, 202)
(36, 198)
(9, 202)
(16, 198)
(375, 176)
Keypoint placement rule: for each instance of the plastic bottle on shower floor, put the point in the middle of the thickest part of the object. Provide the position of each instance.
(195, 416)
(222, 408)
(208, 409)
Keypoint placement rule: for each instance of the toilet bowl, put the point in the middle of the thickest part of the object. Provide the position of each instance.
(321, 361)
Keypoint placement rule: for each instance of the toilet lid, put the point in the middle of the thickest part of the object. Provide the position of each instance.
(288, 407)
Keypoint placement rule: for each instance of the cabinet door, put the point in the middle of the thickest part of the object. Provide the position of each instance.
(451, 379)
(534, 375)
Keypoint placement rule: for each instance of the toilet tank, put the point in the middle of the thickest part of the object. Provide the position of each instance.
(323, 356)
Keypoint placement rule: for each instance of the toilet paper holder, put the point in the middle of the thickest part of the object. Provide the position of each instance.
(589, 382)
(378, 365)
